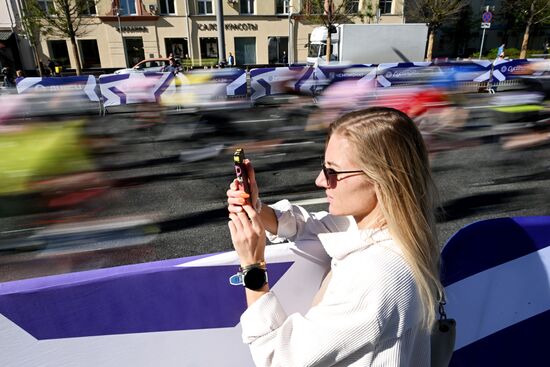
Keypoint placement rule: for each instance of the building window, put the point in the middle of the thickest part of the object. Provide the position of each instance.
(177, 47)
(46, 5)
(209, 48)
(247, 6)
(205, 7)
(385, 6)
(245, 50)
(167, 7)
(89, 8)
(282, 6)
(89, 54)
(59, 53)
(134, 50)
(354, 6)
(277, 50)
(127, 7)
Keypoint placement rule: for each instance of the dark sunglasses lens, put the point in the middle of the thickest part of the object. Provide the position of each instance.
(326, 172)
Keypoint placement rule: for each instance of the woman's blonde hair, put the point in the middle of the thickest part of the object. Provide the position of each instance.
(390, 150)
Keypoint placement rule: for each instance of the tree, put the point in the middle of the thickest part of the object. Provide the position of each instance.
(528, 13)
(31, 20)
(368, 11)
(434, 13)
(64, 18)
(330, 13)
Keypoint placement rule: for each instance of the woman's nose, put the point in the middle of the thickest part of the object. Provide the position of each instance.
(321, 181)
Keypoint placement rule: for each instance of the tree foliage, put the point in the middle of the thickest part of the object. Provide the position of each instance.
(31, 20)
(434, 13)
(64, 19)
(536, 11)
(527, 13)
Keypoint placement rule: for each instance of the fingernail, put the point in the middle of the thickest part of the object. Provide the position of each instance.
(245, 195)
(242, 201)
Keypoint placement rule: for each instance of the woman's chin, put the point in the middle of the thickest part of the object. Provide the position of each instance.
(333, 210)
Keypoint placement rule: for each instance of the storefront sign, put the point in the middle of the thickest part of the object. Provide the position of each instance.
(229, 27)
(133, 28)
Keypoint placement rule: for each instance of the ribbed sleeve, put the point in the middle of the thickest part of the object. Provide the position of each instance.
(294, 223)
(369, 316)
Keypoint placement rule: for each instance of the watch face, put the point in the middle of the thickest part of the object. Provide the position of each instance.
(255, 278)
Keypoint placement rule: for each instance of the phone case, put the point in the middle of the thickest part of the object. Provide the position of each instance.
(240, 170)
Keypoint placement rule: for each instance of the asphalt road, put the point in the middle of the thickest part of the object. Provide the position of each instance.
(175, 177)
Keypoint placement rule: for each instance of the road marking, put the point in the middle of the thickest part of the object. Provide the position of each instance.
(310, 201)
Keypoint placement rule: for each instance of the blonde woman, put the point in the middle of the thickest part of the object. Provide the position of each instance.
(378, 302)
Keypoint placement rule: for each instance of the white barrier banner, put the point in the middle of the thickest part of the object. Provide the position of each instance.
(121, 89)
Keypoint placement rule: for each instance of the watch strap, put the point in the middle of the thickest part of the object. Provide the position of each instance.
(261, 265)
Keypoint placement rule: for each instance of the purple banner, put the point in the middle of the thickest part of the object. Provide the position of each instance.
(141, 298)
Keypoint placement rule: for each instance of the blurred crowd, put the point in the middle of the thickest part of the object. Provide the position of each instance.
(59, 149)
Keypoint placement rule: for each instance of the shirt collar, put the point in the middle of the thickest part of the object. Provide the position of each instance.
(340, 244)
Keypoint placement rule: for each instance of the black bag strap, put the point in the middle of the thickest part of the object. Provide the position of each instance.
(442, 303)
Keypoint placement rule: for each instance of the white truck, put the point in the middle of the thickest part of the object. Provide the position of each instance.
(369, 43)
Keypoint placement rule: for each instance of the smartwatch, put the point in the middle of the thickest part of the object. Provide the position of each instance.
(253, 277)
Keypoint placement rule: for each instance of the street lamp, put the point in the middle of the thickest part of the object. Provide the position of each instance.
(121, 36)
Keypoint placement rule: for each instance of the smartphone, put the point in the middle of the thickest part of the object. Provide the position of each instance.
(240, 170)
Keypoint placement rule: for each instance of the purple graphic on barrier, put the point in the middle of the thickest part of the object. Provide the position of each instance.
(258, 89)
(271, 81)
(491, 243)
(302, 84)
(512, 68)
(495, 274)
(120, 89)
(404, 73)
(235, 80)
(149, 299)
(85, 85)
(346, 72)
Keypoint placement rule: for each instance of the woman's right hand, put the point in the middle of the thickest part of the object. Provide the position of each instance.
(236, 197)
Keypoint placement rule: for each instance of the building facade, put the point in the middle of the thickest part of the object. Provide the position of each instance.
(9, 54)
(124, 32)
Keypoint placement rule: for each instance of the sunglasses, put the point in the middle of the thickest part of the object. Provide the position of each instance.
(331, 173)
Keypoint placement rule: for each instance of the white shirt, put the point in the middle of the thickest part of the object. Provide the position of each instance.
(370, 314)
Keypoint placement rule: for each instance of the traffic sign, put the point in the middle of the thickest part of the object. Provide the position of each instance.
(487, 17)
(485, 25)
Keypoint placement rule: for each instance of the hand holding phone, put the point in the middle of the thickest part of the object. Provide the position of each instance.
(241, 171)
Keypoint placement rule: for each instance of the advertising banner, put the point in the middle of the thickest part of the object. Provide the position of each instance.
(122, 89)
(495, 274)
(271, 81)
(84, 84)
(173, 312)
(166, 313)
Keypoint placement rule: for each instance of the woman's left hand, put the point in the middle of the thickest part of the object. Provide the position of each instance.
(248, 235)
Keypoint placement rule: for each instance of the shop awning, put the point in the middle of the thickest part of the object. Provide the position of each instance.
(4, 35)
